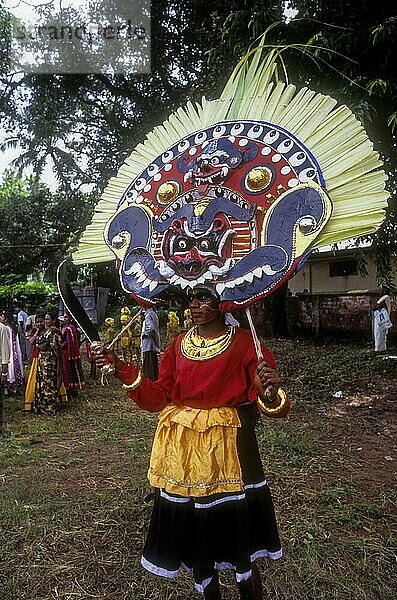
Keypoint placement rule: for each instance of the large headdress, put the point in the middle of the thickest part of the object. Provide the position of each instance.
(233, 193)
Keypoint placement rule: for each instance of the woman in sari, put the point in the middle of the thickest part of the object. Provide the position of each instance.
(73, 376)
(50, 392)
(36, 331)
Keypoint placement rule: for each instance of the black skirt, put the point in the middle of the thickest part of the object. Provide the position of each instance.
(220, 531)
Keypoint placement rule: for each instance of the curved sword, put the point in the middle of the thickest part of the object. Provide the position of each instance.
(73, 305)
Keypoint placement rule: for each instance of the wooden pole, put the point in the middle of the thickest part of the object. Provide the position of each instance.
(257, 344)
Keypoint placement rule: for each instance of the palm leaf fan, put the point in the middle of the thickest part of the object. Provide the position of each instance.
(233, 193)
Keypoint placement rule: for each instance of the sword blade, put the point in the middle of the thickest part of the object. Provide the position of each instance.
(73, 305)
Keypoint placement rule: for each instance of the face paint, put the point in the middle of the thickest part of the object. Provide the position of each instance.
(207, 308)
(203, 306)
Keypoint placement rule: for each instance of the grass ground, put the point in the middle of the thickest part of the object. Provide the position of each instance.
(74, 503)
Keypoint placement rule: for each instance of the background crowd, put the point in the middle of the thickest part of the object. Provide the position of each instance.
(41, 353)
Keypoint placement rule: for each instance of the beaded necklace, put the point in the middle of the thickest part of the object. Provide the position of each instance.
(196, 347)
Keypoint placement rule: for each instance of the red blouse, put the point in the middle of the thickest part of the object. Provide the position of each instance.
(225, 380)
(35, 349)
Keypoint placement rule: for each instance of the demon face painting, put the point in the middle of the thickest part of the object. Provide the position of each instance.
(235, 206)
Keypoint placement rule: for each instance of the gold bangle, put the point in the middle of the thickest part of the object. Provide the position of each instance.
(134, 384)
(277, 409)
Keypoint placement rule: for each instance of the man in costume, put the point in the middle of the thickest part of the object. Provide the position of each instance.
(223, 202)
(136, 330)
(110, 332)
(212, 507)
(187, 321)
(126, 337)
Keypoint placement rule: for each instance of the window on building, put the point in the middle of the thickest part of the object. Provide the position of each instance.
(342, 268)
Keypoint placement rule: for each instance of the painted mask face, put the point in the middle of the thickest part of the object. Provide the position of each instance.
(234, 207)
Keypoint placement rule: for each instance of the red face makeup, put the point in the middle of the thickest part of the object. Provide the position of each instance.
(203, 306)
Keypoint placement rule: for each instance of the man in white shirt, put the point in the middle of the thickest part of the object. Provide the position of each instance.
(28, 329)
(21, 320)
(379, 331)
(5, 358)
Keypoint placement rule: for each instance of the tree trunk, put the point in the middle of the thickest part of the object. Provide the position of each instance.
(270, 314)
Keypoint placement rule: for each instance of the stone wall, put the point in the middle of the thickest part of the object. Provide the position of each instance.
(327, 314)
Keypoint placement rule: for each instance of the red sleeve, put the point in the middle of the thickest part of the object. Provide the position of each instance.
(151, 395)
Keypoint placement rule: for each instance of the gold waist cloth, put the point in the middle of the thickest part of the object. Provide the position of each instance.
(195, 451)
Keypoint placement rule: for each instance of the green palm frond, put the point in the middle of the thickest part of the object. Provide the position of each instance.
(258, 89)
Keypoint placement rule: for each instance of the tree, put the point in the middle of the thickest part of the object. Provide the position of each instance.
(85, 125)
(344, 49)
(37, 227)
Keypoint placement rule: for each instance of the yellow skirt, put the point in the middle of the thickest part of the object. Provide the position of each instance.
(195, 451)
(30, 388)
(30, 385)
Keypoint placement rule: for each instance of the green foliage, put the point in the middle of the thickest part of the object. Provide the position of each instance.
(336, 493)
(33, 294)
(37, 227)
(298, 447)
(383, 31)
(392, 121)
(85, 125)
(323, 371)
(377, 86)
(346, 50)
